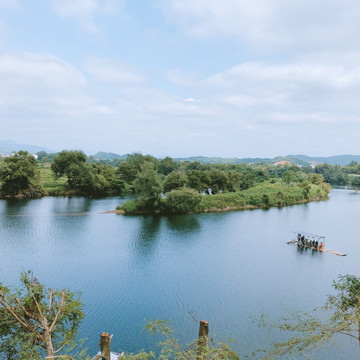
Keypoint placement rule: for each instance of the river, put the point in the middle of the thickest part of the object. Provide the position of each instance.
(226, 268)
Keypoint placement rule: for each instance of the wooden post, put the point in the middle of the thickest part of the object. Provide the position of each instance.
(203, 337)
(105, 340)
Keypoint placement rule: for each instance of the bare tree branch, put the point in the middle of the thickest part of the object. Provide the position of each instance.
(52, 327)
(50, 301)
(191, 314)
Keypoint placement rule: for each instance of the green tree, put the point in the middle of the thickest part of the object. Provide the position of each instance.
(218, 180)
(183, 200)
(70, 164)
(127, 172)
(167, 165)
(175, 180)
(36, 319)
(20, 175)
(198, 180)
(233, 183)
(148, 184)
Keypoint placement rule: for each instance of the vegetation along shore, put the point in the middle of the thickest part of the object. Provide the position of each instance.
(164, 185)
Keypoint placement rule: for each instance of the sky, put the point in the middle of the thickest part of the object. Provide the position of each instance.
(228, 78)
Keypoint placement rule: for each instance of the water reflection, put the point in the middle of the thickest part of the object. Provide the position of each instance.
(16, 206)
(183, 223)
(71, 205)
(147, 239)
(228, 267)
(308, 251)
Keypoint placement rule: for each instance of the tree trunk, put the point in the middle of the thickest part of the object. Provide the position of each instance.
(105, 340)
(203, 337)
(48, 344)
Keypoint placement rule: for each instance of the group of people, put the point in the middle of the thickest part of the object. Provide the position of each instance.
(304, 241)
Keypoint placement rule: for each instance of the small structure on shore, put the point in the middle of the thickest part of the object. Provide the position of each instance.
(312, 241)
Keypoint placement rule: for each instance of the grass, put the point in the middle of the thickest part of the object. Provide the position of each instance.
(48, 182)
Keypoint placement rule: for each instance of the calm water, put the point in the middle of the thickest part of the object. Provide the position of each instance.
(223, 267)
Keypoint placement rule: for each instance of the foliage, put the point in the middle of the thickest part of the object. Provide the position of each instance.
(35, 319)
(183, 200)
(44, 157)
(167, 165)
(70, 164)
(87, 178)
(148, 184)
(175, 180)
(170, 349)
(311, 332)
(20, 175)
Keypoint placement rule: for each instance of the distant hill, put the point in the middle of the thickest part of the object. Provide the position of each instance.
(8, 146)
(220, 160)
(342, 160)
(101, 155)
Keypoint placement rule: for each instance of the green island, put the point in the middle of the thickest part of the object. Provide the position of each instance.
(166, 186)
(162, 186)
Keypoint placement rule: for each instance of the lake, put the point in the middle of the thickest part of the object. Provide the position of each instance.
(226, 268)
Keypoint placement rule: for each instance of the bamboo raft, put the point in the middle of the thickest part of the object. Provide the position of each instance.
(318, 249)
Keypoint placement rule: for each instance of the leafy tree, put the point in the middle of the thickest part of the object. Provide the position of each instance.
(167, 166)
(311, 332)
(175, 180)
(247, 180)
(306, 186)
(218, 180)
(20, 175)
(355, 181)
(35, 319)
(44, 157)
(127, 172)
(198, 180)
(148, 184)
(136, 160)
(233, 181)
(316, 178)
(70, 164)
(183, 200)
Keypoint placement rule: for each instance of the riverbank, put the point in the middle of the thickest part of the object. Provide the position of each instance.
(265, 195)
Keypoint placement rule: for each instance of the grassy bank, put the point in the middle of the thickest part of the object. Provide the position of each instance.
(267, 194)
(49, 184)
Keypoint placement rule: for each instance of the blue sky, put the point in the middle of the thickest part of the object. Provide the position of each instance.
(226, 78)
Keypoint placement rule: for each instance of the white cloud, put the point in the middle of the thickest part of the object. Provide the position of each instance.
(303, 118)
(296, 24)
(84, 11)
(336, 76)
(111, 71)
(34, 70)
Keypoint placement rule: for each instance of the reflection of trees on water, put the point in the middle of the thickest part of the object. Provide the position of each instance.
(71, 205)
(148, 236)
(183, 223)
(15, 206)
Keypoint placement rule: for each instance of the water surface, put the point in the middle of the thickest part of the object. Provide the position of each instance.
(222, 267)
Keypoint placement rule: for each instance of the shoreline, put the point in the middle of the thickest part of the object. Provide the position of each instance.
(213, 209)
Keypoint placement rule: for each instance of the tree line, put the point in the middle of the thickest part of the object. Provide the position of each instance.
(159, 183)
